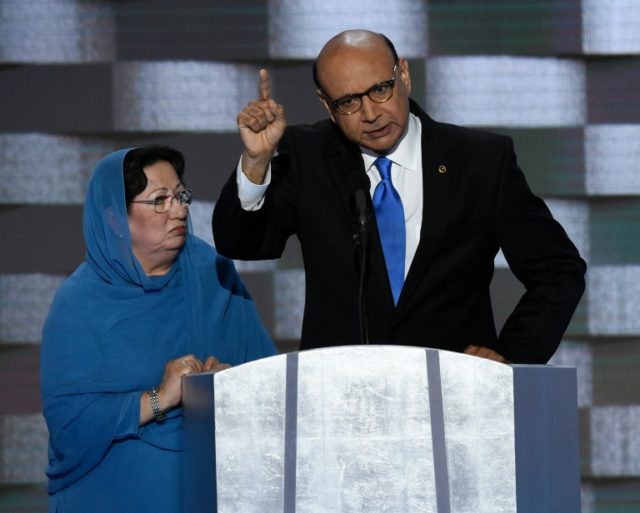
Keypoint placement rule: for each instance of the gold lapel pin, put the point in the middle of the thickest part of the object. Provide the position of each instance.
(442, 169)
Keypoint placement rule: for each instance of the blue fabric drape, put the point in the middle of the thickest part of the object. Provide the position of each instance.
(109, 333)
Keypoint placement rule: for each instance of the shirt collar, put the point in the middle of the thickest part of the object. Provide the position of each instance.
(406, 152)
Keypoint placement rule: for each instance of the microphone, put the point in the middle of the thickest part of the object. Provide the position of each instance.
(360, 185)
(362, 217)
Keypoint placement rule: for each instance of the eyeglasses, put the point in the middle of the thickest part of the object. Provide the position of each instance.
(379, 93)
(162, 203)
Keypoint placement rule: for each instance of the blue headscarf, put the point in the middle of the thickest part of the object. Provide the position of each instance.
(111, 329)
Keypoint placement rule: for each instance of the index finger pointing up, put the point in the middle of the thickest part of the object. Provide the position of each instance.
(264, 86)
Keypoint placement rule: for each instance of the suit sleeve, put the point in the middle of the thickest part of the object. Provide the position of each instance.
(543, 258)
(260, 234)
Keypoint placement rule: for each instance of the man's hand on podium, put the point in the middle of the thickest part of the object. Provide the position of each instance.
(485, 352)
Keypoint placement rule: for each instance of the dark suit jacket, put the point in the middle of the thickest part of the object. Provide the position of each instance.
(480, 204)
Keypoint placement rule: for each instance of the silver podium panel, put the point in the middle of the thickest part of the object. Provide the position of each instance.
(379, 429)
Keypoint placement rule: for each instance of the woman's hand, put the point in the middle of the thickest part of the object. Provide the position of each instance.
(170, 389)
(212, 364)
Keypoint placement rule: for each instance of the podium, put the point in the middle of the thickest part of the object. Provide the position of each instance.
(373, 429)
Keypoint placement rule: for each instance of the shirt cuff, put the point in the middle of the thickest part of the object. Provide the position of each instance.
(251, 195)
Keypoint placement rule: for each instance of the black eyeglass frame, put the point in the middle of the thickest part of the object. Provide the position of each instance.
(184, 197)
(391, 83)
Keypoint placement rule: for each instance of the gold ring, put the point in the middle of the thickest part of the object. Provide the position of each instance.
(184, 362)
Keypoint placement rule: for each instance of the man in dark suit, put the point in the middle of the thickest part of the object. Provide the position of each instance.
(459, 191)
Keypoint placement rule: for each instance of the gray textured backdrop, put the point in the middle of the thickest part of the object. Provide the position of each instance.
(79, 78)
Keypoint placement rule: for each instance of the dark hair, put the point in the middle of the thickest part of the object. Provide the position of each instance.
(388, 42)
(135, 180)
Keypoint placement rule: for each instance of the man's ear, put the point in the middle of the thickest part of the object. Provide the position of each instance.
(404, 75)
(325, 103)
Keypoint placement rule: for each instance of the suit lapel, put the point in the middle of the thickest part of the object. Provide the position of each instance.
(344, 161)
(439, 175)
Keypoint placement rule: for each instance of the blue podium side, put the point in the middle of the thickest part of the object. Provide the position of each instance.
(547, 442)
(199, 444)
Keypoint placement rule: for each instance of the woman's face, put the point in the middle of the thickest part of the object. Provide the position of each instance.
(156, 238)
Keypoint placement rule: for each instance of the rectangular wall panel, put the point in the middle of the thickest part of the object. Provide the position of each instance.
(80, 78)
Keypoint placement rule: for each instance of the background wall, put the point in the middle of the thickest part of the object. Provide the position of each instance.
(79, 78)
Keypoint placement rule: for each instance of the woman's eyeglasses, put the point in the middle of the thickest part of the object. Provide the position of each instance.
(162, 204)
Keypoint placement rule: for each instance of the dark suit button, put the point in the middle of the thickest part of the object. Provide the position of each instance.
(396, 325)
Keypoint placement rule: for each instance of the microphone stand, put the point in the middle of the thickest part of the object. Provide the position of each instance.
(362, 242)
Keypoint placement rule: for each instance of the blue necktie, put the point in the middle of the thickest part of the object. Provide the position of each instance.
(390, 219)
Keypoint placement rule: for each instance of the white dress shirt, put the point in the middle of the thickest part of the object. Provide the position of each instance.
(406, 176)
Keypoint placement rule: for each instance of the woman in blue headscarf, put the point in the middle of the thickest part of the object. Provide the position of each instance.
(151, 303)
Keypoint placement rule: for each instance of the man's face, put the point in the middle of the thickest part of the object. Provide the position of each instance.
(349, 70)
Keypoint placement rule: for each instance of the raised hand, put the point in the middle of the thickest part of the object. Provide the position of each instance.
(261, 123)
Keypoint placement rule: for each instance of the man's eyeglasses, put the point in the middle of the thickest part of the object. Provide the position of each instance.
(162, 203)
(379, 93)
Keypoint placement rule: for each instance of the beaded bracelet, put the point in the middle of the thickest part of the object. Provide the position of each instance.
(155, 405)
